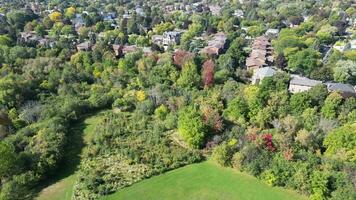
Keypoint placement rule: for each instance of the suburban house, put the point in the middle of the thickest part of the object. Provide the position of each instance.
(30, 36)
(171, 38)
(261, 54)
(301, 84)
(345, 90)
(85, 46)
(215, 45)
(46, 42)
(261, 73)
(121, 50)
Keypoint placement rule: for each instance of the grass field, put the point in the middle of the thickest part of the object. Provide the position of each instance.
(204, 181)
(61, 185)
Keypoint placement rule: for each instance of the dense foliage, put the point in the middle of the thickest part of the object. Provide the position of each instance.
(173, 104)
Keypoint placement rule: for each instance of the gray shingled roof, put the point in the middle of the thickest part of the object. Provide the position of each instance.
(340, 87)
(300, 80)
(264, 72)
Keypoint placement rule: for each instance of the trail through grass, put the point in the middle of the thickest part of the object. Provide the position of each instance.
(61, 185)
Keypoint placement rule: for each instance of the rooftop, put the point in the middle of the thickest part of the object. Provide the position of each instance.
(300, 80)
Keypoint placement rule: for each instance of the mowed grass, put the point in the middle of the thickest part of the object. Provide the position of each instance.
(61, 185)
(204, 181)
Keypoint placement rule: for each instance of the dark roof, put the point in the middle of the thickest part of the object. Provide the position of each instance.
(341, 87)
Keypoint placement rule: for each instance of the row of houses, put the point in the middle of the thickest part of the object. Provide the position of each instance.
(299, 83)
(261, 54)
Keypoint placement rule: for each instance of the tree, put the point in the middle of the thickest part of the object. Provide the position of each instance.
(163, 27)
(7, 159)
(222, 154)
(341, 142)
(70, 12)
(208, 73)
(304, 61)
(299, 102)
(191, 127)
(345, 71)
(189, 76)
(55, 16)
(325, 34)
(236, 110)
(319, 184)
(331, 105)
(18, 19)
(5, 40)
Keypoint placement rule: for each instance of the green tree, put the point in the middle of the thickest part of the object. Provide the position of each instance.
(304, 61)
(299, 102)
(345, 71)
(189, 76)
(191, 127)
(236, 110)
(341, 143)
(331, 105)
(7, 159)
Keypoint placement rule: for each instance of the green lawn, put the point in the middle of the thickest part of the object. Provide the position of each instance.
(60, 186)
(204, 181)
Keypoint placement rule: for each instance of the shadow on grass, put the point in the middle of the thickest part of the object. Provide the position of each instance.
(72, 157)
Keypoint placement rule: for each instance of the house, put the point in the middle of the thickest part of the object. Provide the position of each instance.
(261, 54)
(215, 45)
(30, 36)
(129, 49)
(171, 38)
(109, 17)
(46, 42)
(121, 50)
(272, 33)
(262, 73)
(301, 84)
(345, 90)
(85, 46)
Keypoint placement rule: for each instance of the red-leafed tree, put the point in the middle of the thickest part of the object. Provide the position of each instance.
(212, 118)
(180, 57)
(208, 73)
(267, 139)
